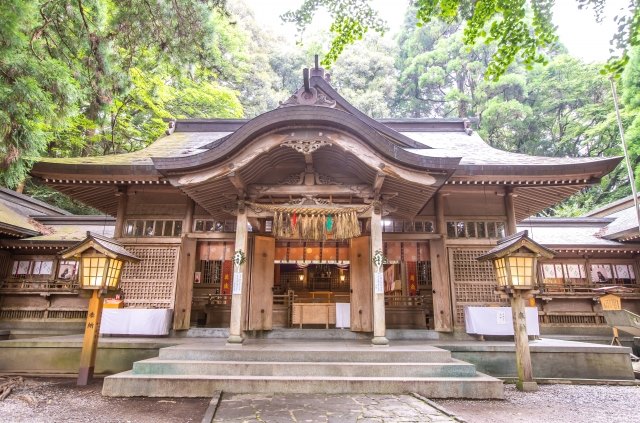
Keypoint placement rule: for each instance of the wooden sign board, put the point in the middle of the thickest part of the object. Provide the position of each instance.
(610, 302)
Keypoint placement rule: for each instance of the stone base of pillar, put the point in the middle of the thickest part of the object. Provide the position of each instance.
(379, 341)
(235, 339)
(526, 386)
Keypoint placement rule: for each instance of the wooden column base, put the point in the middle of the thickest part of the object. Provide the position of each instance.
(526, 386)
(85, 375)
(380, 341)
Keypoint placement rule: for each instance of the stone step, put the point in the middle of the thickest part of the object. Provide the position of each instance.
(305, 333)
(155, 366)
(331, 353)
(128, 384)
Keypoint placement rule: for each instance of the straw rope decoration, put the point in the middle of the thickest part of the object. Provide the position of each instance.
(316, 223)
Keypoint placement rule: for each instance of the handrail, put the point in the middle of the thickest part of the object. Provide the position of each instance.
(34, 285)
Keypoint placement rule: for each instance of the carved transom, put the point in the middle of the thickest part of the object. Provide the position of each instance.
(293, 179)
(306, 145)
(323, 179)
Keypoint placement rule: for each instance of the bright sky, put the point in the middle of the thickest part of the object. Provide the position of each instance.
(577, 29)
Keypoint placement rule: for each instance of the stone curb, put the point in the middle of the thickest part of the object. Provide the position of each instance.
(210, 414)
(566, 381)
(438, 407)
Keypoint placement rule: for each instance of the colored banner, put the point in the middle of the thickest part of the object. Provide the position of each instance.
(412, 277)
(227, 267)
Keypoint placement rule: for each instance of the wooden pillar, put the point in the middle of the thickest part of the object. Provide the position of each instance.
(184, 284)
(441, 225)
(379, 326)
(238, 288)
(524, 368)
(510, 211)
(441, 288)
(188, 218)
(90, 341)
(186, 270)
(122, 211)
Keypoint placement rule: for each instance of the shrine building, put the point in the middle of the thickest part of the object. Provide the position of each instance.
(283, 220)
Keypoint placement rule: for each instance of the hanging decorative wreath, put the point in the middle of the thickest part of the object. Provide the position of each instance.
(379, 259)
(239, 258)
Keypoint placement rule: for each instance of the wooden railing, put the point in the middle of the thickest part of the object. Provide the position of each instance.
(35, 285)
(415, 301)
(571, 318)
(38, 313)
(582, 288)
(213, 299)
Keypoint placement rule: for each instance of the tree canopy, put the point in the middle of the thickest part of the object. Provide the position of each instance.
(520, 29)
(95, 77)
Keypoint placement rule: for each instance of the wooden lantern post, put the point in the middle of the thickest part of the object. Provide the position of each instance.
(515, 262)
(101, 261)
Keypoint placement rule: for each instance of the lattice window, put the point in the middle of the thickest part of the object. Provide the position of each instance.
(424, 275)
(474, 282)
(211, 272)
(150, 283)
(5, 264)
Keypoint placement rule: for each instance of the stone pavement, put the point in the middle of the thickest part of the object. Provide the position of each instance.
(361, 408)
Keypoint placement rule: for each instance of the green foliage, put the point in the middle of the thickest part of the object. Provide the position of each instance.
(35, 93)
(365, 76)
(97, 77)
(352, 19)
(562, 109)
(520, 30)
(57, 199)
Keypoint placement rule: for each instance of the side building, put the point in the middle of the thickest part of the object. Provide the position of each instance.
(39, 292)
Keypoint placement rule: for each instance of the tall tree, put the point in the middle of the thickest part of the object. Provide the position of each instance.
(70, 70)
(366, 76)
(520, 29)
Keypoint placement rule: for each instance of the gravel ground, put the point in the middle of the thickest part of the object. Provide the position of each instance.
(61, 400)
(554, 403)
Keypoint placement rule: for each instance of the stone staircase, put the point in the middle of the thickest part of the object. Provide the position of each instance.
(271, 366)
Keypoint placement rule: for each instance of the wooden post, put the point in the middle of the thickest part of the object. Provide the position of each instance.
(441, 288)
(510, 211)
(379, 326)
(441, 226)
(184, 284)
(90, 342)
(122, 211)
(238, 288)
(186, 269)
(524, 368)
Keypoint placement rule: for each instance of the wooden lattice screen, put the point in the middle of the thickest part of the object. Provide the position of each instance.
(474, 282)
(5, 263)
(150, 283)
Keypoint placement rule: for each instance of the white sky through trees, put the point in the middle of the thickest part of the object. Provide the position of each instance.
(577, 29)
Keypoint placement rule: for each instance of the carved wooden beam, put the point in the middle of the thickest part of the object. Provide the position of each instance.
(362, 191)
(377, 183)
(237, 182)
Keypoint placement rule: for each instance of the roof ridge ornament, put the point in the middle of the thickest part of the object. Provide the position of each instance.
(308, 95)
(313, 97)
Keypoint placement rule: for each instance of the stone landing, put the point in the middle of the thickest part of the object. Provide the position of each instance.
(287, 366)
